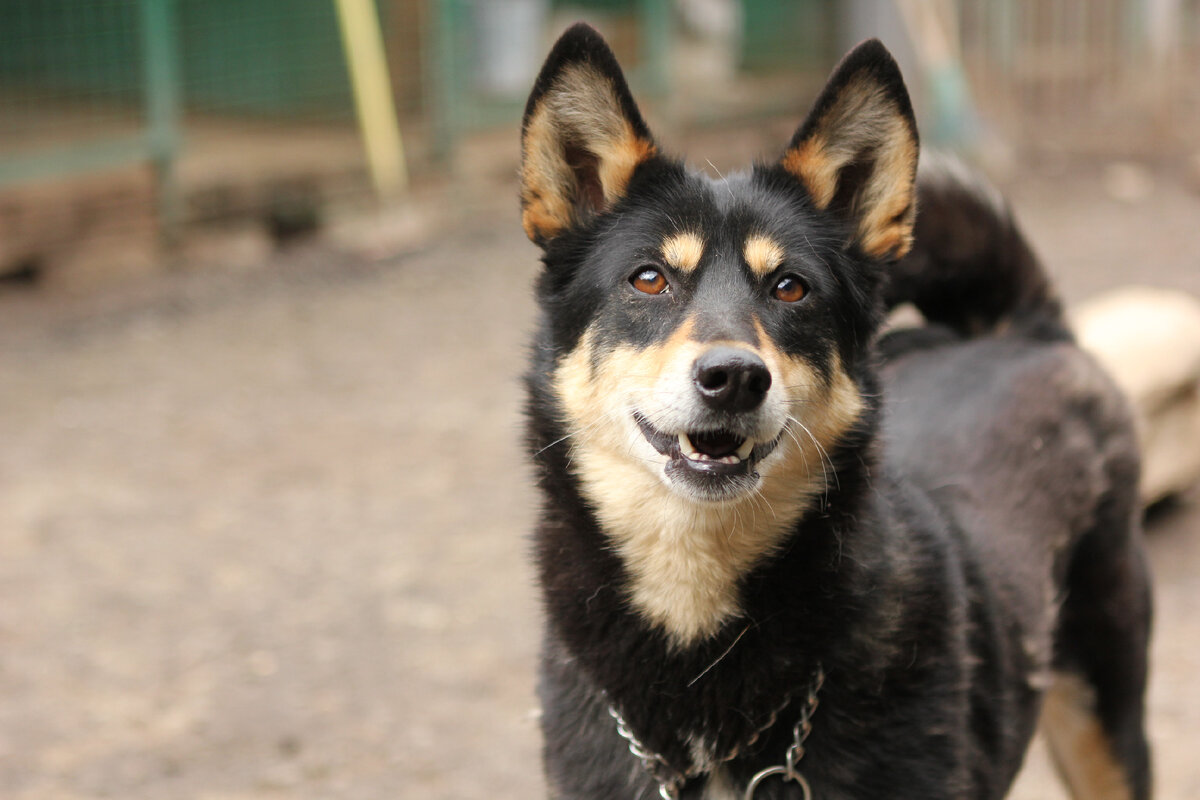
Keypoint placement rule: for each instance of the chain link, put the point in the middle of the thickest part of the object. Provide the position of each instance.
(670, 780)
(795, 751)
(804, 725)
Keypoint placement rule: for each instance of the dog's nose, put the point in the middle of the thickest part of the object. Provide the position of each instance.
(731, 379)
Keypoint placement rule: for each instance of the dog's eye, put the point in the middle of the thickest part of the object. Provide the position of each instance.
(789, 289)
(649, 281)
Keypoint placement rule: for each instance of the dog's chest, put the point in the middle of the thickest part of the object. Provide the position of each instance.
(719, 786)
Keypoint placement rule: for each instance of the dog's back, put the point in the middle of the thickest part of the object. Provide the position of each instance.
(1026, 443)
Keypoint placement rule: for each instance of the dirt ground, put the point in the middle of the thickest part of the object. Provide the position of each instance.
(263, 534)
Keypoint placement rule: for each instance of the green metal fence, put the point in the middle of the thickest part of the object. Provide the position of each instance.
(86, 86)
(94, 84)
(98, 84)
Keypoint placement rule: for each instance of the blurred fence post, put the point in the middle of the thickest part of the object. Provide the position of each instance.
(160, 65)
(369, 80)
(656, 44)
(448, 22)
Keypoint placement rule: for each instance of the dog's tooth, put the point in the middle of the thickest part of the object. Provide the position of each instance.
(743, 452)
(685, 446)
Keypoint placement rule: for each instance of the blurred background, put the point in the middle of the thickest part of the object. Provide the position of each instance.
(264, 300)
(179, 119)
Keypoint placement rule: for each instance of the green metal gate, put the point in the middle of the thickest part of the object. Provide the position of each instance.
(91, 85)
(114, 64)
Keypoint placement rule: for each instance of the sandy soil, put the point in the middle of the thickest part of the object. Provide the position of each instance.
(263, 534)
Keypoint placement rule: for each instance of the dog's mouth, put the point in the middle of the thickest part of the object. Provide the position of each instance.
(711, 461)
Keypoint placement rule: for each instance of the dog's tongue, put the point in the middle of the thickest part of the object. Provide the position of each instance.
(716, 444)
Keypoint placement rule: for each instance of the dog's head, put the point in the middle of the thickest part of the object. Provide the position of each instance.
(704, 331)
(701, 358)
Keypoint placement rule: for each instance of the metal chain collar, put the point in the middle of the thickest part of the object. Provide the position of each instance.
(671, 780)
(795, 751)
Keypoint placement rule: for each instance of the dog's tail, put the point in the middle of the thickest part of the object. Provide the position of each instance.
(970, 268)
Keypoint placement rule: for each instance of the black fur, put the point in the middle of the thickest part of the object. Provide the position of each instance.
(980, 469)
(971, 268)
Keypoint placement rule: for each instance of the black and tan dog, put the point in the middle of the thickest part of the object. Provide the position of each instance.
(782, 556)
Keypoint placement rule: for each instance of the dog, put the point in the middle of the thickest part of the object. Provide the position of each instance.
(783, 554)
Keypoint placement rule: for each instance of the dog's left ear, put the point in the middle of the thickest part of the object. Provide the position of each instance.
(856, 154)
(581, 139)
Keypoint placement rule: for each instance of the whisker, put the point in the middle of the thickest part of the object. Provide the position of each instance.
(738, 524)
(728, 188)
(799, 445)
(720, 657)
(556, 441)
(759, 498)
(824, 458)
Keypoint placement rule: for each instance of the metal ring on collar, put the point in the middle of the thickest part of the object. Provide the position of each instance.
(785, 773)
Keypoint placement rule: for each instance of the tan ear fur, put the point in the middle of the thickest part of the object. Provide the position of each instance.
(858, 151)
(579, 151)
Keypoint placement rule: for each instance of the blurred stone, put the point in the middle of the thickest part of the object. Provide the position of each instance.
(293, 213)
(1149, 340)
(238, 247)
(385, 232)
(1128, 182)
(83, 266)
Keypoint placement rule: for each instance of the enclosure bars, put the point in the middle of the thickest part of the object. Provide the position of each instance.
(158, 142)
(160, 62)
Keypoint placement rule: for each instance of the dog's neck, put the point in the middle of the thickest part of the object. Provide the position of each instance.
(779, 627)
(684, 560)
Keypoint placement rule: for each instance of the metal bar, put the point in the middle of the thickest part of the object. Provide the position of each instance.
(160, 65)
(367, 64)
(656, 43)
(443, 80)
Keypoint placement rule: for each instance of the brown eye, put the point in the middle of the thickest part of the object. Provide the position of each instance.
(789, 289)
(650, 281)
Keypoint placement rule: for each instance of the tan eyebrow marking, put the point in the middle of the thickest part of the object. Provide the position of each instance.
(763, 254)
(683, 251)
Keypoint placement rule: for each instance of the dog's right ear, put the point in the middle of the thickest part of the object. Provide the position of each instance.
(581, 139)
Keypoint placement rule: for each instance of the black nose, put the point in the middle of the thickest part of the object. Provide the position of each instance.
(731, 379)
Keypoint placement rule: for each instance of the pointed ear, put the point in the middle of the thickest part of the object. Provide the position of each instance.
(581, 139)
(856, 154)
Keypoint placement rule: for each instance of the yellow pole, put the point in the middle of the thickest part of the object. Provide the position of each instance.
(363, 42)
